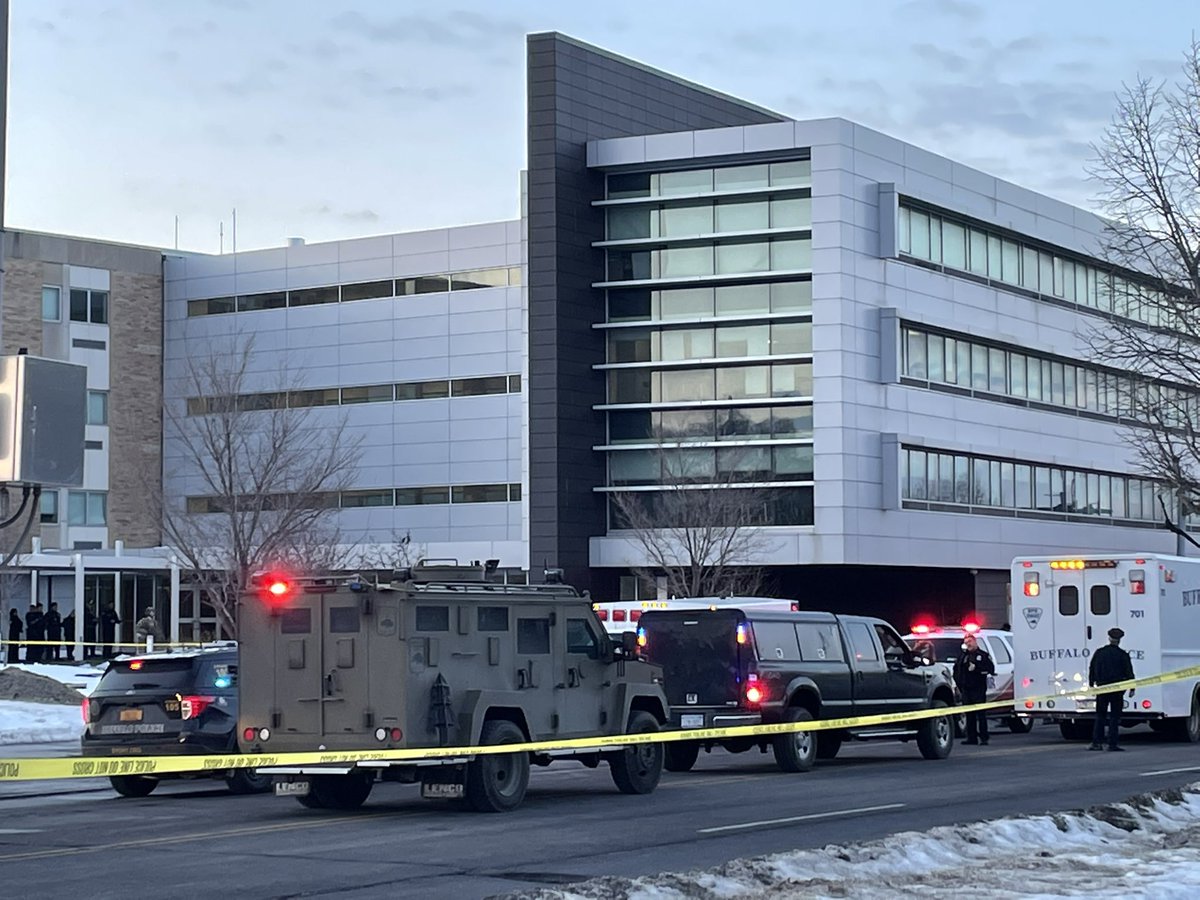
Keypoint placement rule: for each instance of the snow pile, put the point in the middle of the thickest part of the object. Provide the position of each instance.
(1146, 846)
(77, 675)
(29, 723)
(16, 684)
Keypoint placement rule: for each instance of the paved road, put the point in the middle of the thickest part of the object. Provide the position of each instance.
(193, 839)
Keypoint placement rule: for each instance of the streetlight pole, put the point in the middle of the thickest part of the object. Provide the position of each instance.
(3, 132)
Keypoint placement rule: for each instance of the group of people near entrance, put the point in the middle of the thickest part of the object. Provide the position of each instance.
(1109, 665)
(48, 636)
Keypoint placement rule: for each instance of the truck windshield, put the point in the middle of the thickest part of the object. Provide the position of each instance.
(700, 655)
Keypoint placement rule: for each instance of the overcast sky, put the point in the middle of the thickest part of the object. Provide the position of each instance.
(341, 118)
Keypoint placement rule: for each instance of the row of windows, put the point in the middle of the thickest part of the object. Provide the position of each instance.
(707, 466)
(695, 425)
(637, 304)
(504, 276)
(688, 221)
(671, 509)
(629, 345)
(969, 248)
(83, 508)
(703, 181)
(85, 305)
(725, 383)
(439, 495)
(966, 480)
(366, 393)
(740, 258)
(978, 366)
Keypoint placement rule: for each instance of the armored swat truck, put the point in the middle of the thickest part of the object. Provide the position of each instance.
(437, 656)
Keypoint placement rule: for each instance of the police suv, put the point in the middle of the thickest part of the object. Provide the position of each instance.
(437, 656)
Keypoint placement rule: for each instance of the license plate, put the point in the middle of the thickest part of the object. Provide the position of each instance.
(691, 721)
(291, 789)
(436, 790)
(131, 715)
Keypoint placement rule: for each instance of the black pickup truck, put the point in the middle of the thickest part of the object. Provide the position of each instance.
(727, 667)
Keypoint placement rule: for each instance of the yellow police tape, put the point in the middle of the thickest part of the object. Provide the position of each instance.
(99, 643)
(91, 767)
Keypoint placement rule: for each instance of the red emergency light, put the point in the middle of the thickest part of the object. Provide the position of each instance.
(922, 628)
(970, 626)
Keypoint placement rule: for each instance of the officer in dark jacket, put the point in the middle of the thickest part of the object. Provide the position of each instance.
(109, 620)
(68, 627)
(53, 623)
(15, 627)
(971, 672)
(1109, 665)
(35, 630)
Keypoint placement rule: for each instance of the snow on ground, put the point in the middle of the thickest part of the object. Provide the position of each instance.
(29, 723)
(1148, 846)
(78, 675)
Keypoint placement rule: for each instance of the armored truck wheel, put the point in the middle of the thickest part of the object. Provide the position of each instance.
(496, 782)
(247, 781)
(1075, 730)
(1020, 724)
(1187, 729)
(637, 769)
(337, 792)
(795, 751)
(132, 785)
(680, 756)
(935, 737)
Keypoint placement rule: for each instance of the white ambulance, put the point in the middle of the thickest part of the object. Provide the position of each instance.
(1063, 608)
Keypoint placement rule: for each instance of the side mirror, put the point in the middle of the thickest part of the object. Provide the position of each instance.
(629, 645)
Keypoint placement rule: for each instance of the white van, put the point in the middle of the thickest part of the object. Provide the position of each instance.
(1063, 608)
(623, 615)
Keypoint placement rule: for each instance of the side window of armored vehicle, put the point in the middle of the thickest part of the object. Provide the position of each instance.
(493, 618)
(1100, 600)
(861, 642)
(580, 639)
(343, 619)
(1000, 651)
(296, 621)
(776, 640)
(819, 642)
(1068, 600)
(533, 636)
(433, 618)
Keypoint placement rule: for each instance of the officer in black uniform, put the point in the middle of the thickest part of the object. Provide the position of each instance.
(971, 672)
(1109, 665)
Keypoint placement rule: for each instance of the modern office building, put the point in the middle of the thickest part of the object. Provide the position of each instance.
(887, 347)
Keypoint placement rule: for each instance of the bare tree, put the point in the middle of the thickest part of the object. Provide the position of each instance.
(1149, 168)
(700, 532)
(400, 552)
(269, 474)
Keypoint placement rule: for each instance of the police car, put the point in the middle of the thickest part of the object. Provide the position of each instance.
(946, 642)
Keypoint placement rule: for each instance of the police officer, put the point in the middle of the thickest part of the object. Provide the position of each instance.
(971, 672)
(35, 632)
(53, 625)
(1109, 665)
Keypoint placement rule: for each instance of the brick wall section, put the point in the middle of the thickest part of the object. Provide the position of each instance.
(21, 325)
(135, 408)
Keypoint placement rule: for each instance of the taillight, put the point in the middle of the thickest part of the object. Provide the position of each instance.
(86, 709)
(1137, 581)
(191, 706)
(755, 691)
(1029, 704)
(1032, 587)
(248, 735)
(1145, 704)
(795, 606)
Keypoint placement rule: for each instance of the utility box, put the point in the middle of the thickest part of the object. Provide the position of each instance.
(43, 410)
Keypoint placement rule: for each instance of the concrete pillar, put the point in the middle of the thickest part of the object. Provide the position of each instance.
(174, 635)
(80, 618)
(117, 604)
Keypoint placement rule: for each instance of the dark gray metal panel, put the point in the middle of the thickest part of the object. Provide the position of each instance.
(578, 93)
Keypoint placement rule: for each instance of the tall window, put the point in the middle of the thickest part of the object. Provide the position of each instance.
(97, 407)
(51, 303)
(49, 508)
(89, 306)
(87, 508)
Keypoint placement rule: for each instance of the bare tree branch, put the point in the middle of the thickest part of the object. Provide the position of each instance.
(266, 471)
(1148, 166)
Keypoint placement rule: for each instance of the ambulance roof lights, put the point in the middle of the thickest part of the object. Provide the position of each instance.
(1076, 564)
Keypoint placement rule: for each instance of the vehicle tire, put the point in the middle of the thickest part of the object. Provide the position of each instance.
(496, 782)
(680, 756)
(795, 751)
(248, 781)
(133, 785)
(935, 737)
(1187, 729)
(1075, 730)
(1020, 724)
(637, 769)
(338, 791)
(828, 744)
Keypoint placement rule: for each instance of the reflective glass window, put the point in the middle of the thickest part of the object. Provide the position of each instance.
(790, 296)
(791, 254)
(791, 337)
(740, 424)
(743, 340)
(790, 421)
(737, 258)
(682, 262)
(740, 178)
(743, 382)
(689, 303)
(793, 462)
(628, 222)
(686, 384)
(694, 182)
(787, 173)
(686, 343)
(683, 221)
(744, 300)
(791, 380)
(791, 212)
(743, 216)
